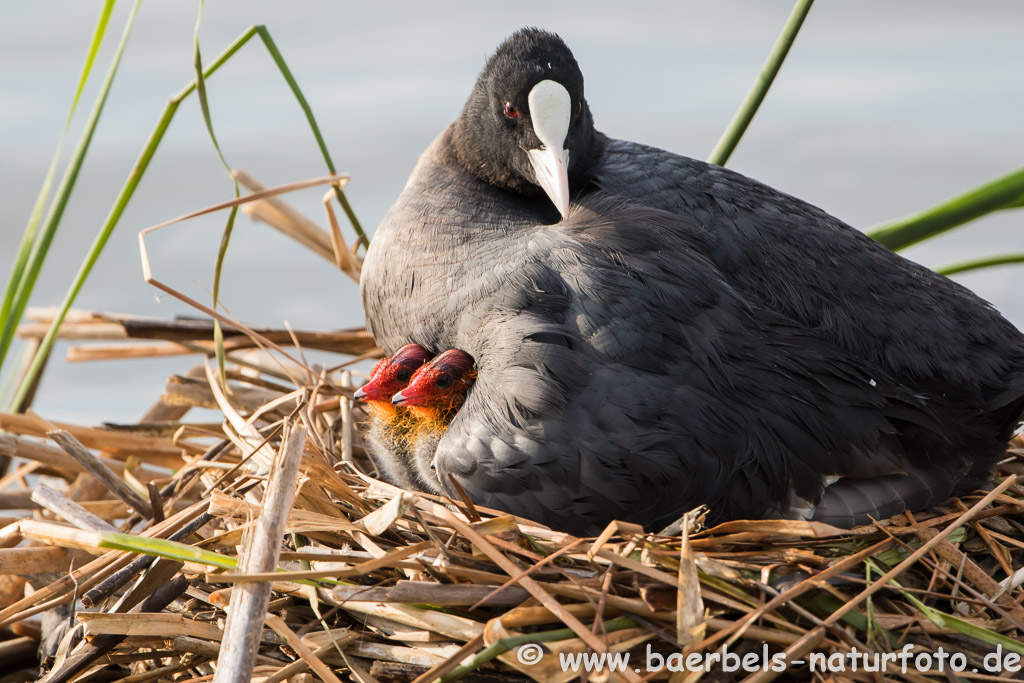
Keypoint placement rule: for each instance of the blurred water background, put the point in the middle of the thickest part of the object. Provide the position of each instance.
(882, 109)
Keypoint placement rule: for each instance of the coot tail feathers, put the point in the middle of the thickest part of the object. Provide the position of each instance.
(851, 502)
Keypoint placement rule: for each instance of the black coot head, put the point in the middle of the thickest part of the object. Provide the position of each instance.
(526, 126)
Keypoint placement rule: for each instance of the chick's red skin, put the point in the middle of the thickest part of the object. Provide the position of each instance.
(438, 389)
(390, 375)
(393, 373)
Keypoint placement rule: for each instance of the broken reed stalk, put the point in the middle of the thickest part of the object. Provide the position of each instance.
(185, 335)
(47, 454)
(68, 509)
(249, 601)
(93, 466)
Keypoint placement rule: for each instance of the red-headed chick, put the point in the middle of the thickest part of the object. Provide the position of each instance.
(388, 430)
(434, 395)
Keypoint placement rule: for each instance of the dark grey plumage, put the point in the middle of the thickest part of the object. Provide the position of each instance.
(686, 335)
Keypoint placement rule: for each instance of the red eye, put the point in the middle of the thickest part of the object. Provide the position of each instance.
(510, 110)
(579, 108)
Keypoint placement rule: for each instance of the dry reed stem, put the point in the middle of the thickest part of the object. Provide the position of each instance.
(249, 602)
(307, 655)
(96, 468)
(279, 215)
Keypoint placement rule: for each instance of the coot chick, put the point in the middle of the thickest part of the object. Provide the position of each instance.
(434, 395)
(387, 433)
(653, 332)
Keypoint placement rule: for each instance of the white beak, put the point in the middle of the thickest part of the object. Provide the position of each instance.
(550, 110)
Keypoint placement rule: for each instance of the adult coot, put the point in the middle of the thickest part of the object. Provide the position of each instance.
(652, 332)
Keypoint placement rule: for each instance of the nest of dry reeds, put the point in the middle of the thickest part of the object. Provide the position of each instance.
(257, 545)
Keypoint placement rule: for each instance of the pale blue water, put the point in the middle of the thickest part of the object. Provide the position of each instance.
(882, 109)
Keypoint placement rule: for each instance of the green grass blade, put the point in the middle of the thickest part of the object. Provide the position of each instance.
(1001, 193)
(1016, 204)
(949, 621)
(159, 547)
(67, 184)
(217, 63)
(94, 47)
(8, 382)
(218, 332)
(286, 72)
(204, 105)
(141, 164)
(182, 552)
(988, 262)
(745, 114)
(944, 620)
(32, 228)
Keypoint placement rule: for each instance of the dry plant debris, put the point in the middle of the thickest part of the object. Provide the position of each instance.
(275, 543)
